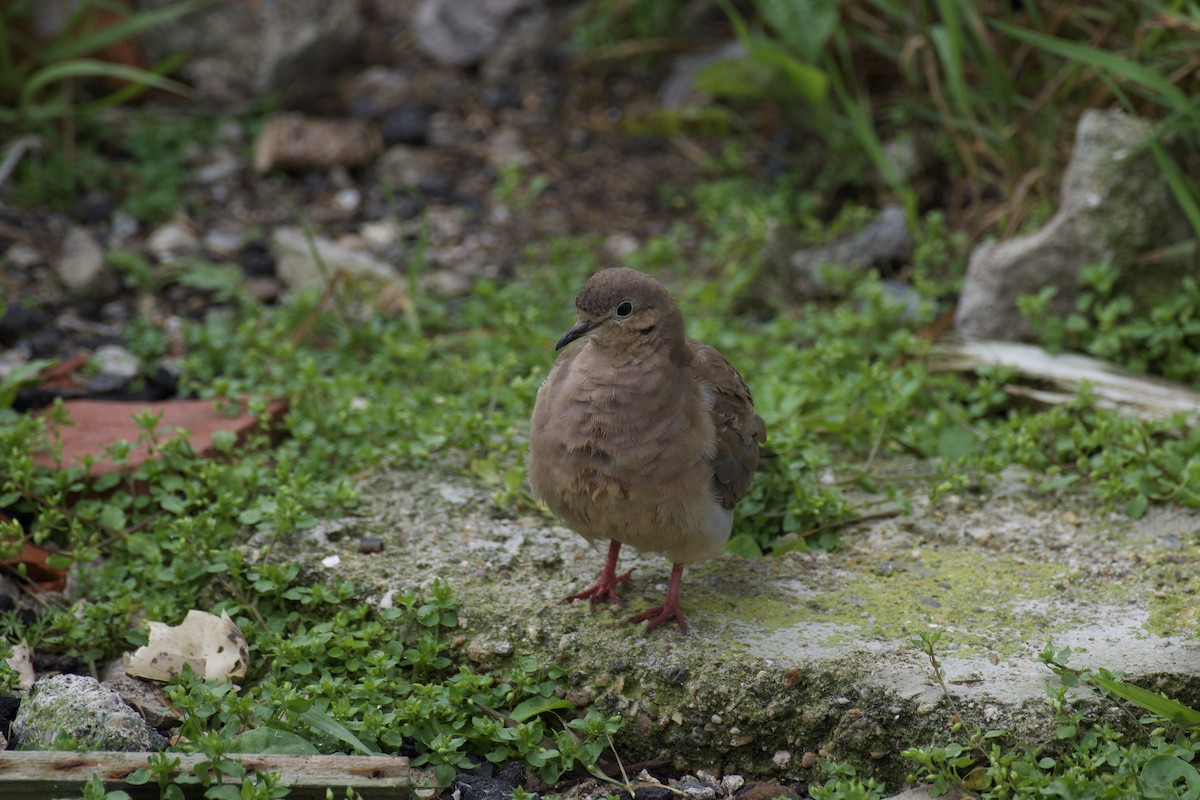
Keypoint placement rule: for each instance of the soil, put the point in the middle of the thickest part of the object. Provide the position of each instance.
(559, 120)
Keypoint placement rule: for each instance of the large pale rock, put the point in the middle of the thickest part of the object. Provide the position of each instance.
(1115, 206)
(258, 46)
(81, 711)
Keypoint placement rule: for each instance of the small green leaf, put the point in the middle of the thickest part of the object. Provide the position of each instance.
(1153, 702)
(744, 545)
(320, 721)
(537, 705)
(113, 517)
(272, 740)
(1136, 507)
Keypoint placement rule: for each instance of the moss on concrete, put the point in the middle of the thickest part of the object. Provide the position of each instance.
(806, 656)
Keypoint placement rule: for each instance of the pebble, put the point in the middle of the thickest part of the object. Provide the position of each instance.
(405, 166)
(172, 240)
(408, 123)
(81, 260)
(732, 783)
(296, 142)
(220, 170)
(256, 259)
(697, 791)
(94, 206)
(22, 256)
(376, 89)
(112, 359)
(124, 227)
(221, 243)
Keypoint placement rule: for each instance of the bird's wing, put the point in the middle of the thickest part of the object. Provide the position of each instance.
(739, 430)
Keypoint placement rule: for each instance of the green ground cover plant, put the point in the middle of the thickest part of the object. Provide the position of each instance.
(1088, 759)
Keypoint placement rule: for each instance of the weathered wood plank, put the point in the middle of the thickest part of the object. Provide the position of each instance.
(40, 775)
(1113, 387)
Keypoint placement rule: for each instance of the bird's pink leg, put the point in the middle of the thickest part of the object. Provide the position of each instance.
(669, 608)
(605, 587)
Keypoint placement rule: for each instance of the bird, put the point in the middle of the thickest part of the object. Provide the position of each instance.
(641, 436)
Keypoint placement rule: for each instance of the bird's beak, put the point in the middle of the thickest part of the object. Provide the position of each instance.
(578, 329)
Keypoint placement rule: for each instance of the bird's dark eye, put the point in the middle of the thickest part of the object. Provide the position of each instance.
(624, 309)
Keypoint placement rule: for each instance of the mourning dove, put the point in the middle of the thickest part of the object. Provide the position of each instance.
(642, 436)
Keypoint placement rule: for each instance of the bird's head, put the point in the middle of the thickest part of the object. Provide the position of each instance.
(626, 309)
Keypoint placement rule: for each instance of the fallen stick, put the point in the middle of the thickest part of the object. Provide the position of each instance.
(44, 774)
(1063, 375)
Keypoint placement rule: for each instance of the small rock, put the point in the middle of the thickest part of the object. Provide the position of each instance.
(80, 263)
(371, 544)
(124, 227)
(117, 312)
(408, 123)
(94, 206)
(732, 783)
(768, 790)
(676, 675)
(220, 170)
(256, 258)
(112, 359)
(620, 245)
(264, 288)
(22, 256)
(91, 716)
(220, 243)
(505, 148)
(883, 242)
(695, 790)
(296, 265)
(461, 33)
(348, 200)
(231, 132)
(375, 90)
(172, 240)
(406, 167)
(297, 142)
(380, 233)
(501, 97)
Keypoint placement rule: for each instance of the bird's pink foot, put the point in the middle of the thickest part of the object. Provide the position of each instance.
(605, 587)
(662, 614)
(669, 608)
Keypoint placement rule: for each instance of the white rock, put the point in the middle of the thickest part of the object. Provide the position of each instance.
(296, 265)
(171, 241)
(81, 259)
(22, 255)
(112, 359)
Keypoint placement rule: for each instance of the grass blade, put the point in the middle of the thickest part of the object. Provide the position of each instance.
(1166, 92)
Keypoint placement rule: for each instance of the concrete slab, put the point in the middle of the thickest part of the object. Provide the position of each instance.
(807, 656)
